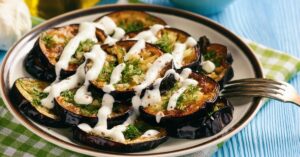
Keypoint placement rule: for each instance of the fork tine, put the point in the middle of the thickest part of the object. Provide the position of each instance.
(253, 89)
(255, 80)
(253, 85)
(253, 94)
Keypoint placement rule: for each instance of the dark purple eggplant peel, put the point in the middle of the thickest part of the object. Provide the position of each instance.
(26, 94)
(218, 115)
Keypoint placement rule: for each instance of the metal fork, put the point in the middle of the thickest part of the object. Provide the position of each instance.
(260, 87)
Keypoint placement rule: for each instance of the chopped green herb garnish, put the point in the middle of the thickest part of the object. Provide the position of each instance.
(131, 69)
(39, 95)
(68, 96)
(88, 109)
(165, 43)
(212, 56)
(35, 90)
(131, 26)
(132, 132)
(84, 46)
(216, 108)
(106, 71)
(36, 102)
(48, 40)
(190, 95)
(209, 55)
(217, 62)
(85, 109)
(142, 126)
(135, 130)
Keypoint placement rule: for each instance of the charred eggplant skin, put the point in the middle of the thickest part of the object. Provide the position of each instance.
(208, 125)
(73, 119)
(175, 121)
(108, 145)
(37, 65)
(170, 121)
(118, 95)
(27, 109)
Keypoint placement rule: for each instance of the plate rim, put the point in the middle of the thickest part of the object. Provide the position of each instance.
(257, 102)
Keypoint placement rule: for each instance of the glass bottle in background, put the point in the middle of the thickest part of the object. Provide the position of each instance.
(50, 8)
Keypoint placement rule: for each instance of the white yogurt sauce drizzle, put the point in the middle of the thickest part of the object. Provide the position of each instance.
(149, 35)
(208, 66)
(178, 52)
(153, 72)
(173, 99)
(105, 110)
(158, 116)
(179, 48)
(86, 31)
(69, 83)
(135, 49)
(109, 27)
(153, 96)
(116, 133)
(150, 133)
(97, 56)
(115, 77)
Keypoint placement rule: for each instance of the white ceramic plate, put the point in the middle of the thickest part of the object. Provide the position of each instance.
(245, 65)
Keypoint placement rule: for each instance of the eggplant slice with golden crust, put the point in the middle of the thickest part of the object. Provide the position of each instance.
(133, 73)
(134, 139)
(219, 114)
(41, 61)
(73, 114)
(220, 57)
(132, 21)
(166, 39)
(191, 103)
(26, 94)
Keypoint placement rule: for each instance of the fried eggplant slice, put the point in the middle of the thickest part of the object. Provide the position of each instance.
(220, 57)
(190, 103)
(137, 138)
(132, 21)
(47, 50)
(74, 114)
(26, 94)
